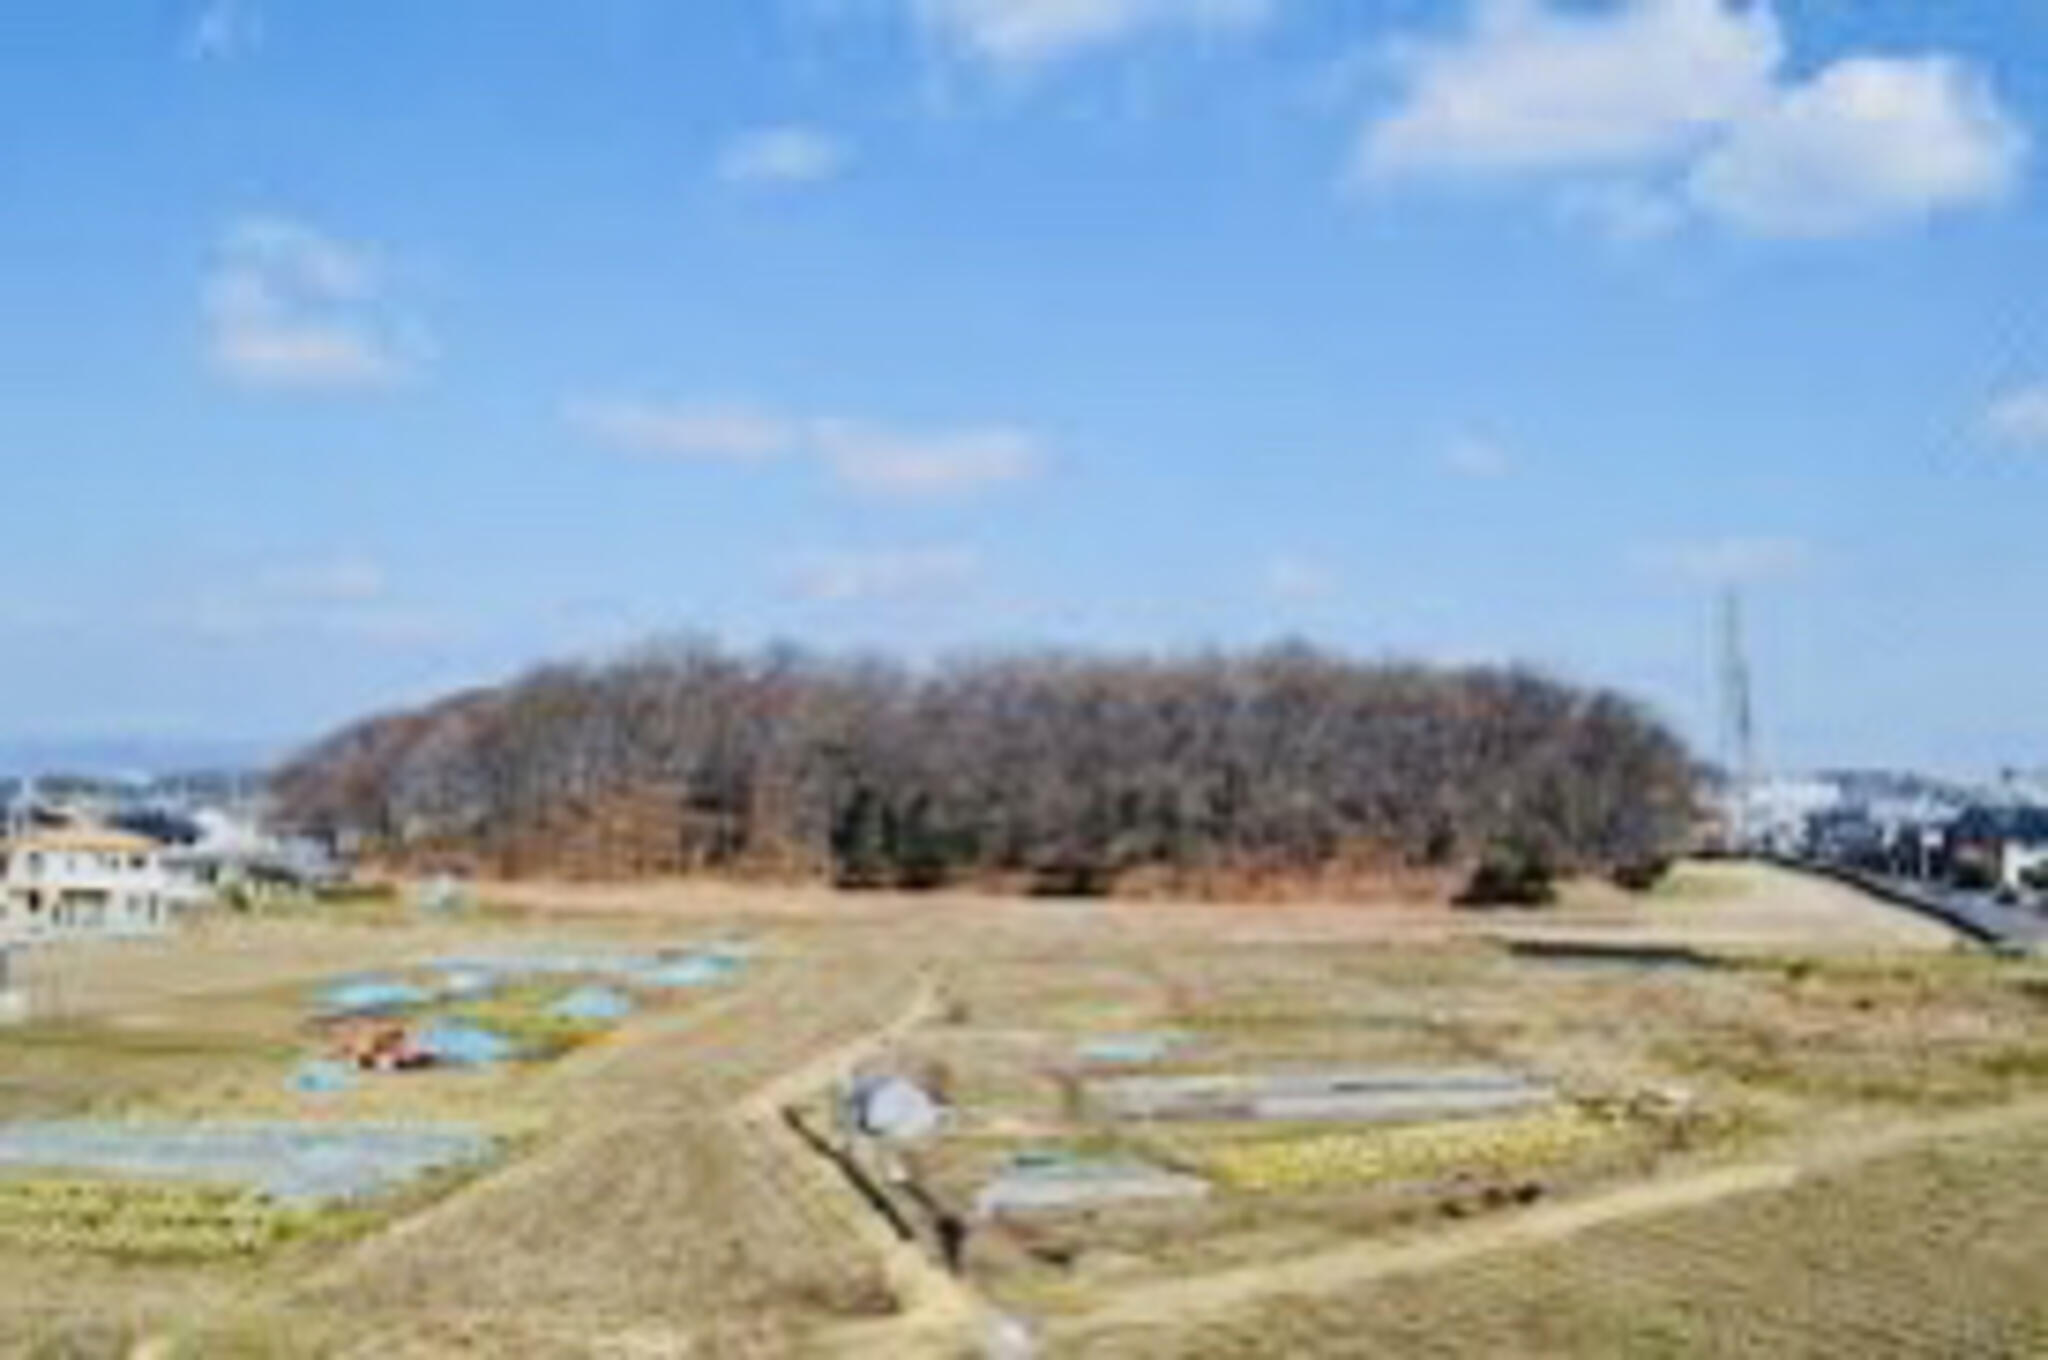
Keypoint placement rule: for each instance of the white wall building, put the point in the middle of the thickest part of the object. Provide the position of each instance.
(2022, 864)
(81, 882)
(1772, 812)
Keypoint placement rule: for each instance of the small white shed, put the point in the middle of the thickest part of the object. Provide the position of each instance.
(893, 1107)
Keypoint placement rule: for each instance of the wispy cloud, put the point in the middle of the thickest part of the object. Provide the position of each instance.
(1625, 212)
(1654, 112)
(346, 599)
(2019, 418)
(341, 580)
(1737, 560)
(876, 460)
(1477, 459)
(1297, 579)
(222, 30)
(783, 156)
(1027, 33)
(887, 462)
(654, 429)
(288, 306)
(848, 577)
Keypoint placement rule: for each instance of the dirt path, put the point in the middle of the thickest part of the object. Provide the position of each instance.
(939, 1312)
(1180, 1302)
(786, 1088)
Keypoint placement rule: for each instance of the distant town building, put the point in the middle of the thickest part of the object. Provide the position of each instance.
(1998, 847)
(74, 881)
(227, 854)
(1774, 814)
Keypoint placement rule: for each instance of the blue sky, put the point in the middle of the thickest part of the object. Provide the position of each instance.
(353, 351)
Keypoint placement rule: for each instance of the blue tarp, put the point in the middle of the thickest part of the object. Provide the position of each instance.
(602, 1004)
(503, 968)
(371, 996)
(295, 1162)
(697, 970)
(453, 1042)
(1130, 1049)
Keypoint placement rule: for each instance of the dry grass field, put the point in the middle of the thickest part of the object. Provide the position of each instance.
(1817, 1133)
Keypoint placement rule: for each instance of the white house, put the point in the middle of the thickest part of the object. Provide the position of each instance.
(236, 854)
(1773, 811)
(77, 881)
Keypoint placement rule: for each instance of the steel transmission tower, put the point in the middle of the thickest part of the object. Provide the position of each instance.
(1738, 719)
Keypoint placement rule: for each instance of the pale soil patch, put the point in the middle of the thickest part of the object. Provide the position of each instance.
(1738, 907)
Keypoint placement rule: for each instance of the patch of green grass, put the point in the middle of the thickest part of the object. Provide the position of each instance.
(140, 1221)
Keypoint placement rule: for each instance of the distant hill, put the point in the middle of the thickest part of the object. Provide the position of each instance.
(118, 757)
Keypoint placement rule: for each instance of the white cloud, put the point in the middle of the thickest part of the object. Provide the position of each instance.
(305, 354)
(1478, 459)
(735, 433)
(887, 462)
(842, 578)
(1623, 211)
(286, 305)
(1655, 112)
(1867, 143)
(1529, 87)
(873, 459)
(2019, 419)
(1025, 33)
(343, 599)
(345, 580)
(782, 155)
(1296, 578)
(224, 29)
(1732, 561)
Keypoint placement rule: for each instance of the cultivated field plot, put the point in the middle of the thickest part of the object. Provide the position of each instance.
(168, 1158)
(1318, 1095)
(1935, 1251)
(1135, 1112)
(1619, 1128)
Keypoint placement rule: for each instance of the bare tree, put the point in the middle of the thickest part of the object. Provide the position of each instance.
(1061, 771)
